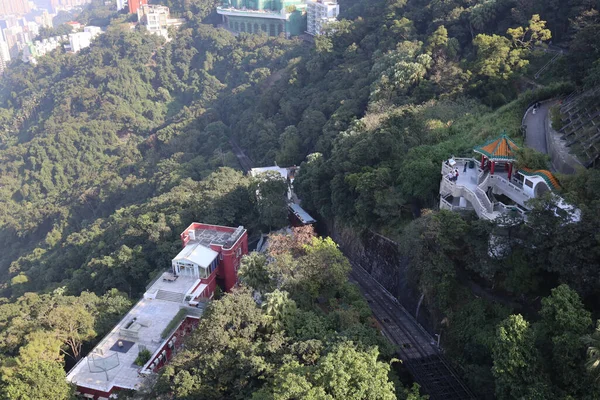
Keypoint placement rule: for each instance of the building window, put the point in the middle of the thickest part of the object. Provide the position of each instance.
(263, 27)
(243, 27)
(249, 27)
(272, 30)
(236, 27)
(279, 29)
(231, 25)
(255, 28)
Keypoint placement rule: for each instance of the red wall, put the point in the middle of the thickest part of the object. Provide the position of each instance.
(186, 327)
(96, 393)
(228, 266)
(231, 261)
(134, 5)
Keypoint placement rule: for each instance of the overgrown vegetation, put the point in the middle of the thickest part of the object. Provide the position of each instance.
(108, 154)
(180, 316)
(312, 335)
(143, 357)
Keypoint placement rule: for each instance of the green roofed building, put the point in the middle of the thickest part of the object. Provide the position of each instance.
(272, 17)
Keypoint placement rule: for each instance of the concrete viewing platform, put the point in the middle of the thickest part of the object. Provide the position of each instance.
(111, 364)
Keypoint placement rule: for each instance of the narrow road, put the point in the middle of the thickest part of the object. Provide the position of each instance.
(536, 128)
(245, 162)
(416, 348)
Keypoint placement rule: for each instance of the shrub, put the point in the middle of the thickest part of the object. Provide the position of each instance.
(143, 357)
(556, 118)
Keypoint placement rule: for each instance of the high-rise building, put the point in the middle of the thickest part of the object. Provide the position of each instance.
(44, 20)
(154, 18)
(134, 5)
(273, 17)
(14, 7)
(320, 13)
(4, 55)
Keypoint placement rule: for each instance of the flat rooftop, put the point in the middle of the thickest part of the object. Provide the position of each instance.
(302, 215)
(109, 365)
(206, 237)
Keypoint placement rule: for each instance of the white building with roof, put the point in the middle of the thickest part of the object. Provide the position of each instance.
(195, 260)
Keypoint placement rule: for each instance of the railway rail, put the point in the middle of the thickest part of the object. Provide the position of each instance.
(415, 346)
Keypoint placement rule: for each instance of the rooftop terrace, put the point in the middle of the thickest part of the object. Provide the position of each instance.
(111, 363)
(212, 234)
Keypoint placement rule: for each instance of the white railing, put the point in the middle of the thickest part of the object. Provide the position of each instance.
(484, 200)
(456, 190)
(503, 208)
(510, 188)
(482, 195)
(446, 204)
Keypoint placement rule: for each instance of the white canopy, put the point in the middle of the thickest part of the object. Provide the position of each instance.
(197, 254)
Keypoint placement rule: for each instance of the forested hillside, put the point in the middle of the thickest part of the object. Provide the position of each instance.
(108, 154)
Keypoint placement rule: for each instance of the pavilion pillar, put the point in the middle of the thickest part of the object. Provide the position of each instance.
(492, 167)
(482, 161)
(510, 167)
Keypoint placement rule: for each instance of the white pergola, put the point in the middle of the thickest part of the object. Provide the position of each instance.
(195, 261)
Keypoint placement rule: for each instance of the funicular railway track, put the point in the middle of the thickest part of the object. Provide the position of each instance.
(416, 347)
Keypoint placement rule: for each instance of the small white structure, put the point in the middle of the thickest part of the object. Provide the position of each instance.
(121, 4)
(195, 260)
(254, 172)
(93, 30)
(79, 40)
(319, 13)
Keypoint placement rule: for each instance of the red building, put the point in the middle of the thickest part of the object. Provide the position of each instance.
(134, 5)
(170, 309)
(213, 254)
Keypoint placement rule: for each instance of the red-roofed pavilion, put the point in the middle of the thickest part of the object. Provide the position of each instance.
(499, 150)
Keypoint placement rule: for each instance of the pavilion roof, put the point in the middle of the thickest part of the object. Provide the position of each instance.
(544, 174)
(499, 149)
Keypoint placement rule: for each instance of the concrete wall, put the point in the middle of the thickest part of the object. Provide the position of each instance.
(381, 258)
(561, 159)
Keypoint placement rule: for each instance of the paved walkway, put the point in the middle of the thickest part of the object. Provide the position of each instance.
(539, 132)
(536, 128)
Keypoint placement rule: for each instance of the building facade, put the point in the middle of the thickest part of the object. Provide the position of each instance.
(4, 55)
(319, 13)
(134, 5)
(170, 310)
(221, 251)
(155, 18)
(14, 7)
(272, 17)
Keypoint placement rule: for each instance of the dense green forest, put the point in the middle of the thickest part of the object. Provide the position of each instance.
(108, 154)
